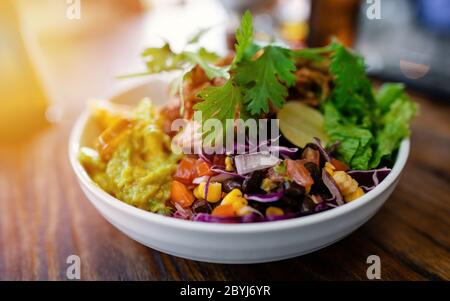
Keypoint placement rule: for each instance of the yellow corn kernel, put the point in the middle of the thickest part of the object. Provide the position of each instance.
(267, 185)
(196, 192)
(229, 164)
(346, 184)
(214, 192)
(239, 203)
(231, 197)
(355, 195)
(274, 211)
(330, 168)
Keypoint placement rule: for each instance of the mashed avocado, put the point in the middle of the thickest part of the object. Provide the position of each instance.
(140, 164)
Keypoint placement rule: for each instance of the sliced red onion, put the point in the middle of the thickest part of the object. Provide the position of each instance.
(248, 163)
(333, 147)
(332, 187)
(369, 179)
(200, 180)
(182, 213)
(218, 178)
(207, 187)
(284, 151)
(318, 143)
(202, 156)
(252, 211)
(265, 198)
(218, 170)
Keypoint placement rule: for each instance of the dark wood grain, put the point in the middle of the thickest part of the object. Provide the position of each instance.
(44, 216)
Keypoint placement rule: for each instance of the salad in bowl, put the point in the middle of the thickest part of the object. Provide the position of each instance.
(267, 133)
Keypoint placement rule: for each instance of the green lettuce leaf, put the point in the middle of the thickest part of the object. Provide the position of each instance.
(394, 126)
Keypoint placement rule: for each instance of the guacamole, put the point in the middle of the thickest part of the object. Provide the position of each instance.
(133, 159)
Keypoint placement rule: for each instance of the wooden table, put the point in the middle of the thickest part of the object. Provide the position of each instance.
(44, 216)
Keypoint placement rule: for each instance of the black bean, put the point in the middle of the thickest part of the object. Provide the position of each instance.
(253, 182)
(314, 170)
(230, 184)
(308, 206)
(293, 190)
(201, 206)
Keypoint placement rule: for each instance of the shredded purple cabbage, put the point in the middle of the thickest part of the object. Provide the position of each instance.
(318, 143)
(265, 198)
(369, 179)
(332, 187)
(250, 218)
(207, 187)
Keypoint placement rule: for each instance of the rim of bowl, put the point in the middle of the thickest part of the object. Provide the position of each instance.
(82, 175)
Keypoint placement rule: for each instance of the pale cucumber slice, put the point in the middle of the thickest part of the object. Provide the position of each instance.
(300, 123)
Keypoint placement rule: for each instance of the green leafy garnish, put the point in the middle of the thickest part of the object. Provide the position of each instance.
(266, 79)
(244, 37)
(387, 94)
(194, 39)
(368, 128)
(353, 92)
(203, 59)
(219, 102)
(355, 141)
(159, 59)
(394, 123)
(313, 54)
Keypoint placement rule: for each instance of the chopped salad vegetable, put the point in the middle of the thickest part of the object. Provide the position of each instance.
(338, 136)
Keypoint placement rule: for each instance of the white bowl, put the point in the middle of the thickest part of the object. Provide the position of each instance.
(225, 243)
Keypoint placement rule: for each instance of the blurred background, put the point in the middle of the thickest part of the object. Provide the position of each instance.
(55, 54)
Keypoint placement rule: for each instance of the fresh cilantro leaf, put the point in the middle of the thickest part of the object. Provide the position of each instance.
(198, 35)
(219, 102)
(164, 59)
(313, 54)
(161, 59)
(265, 79)
(244, 37)
(204, 58)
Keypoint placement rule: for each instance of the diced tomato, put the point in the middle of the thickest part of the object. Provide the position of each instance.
(186, 171)
(203, 169)
(181, 195)
(223, 211)
(297, 171)
(340, 166)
